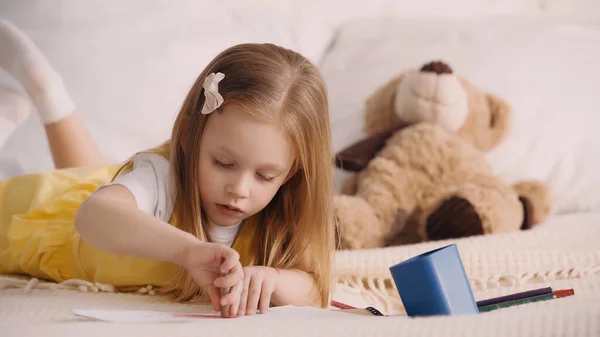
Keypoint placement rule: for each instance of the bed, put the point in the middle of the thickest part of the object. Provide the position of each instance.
(541, 56)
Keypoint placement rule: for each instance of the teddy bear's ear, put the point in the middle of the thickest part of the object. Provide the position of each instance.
(380, 111)
(356, 157)
(499, 120)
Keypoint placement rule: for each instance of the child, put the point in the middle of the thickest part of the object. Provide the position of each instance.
(244, 180)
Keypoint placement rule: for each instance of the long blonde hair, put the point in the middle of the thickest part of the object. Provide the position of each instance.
(277, 85)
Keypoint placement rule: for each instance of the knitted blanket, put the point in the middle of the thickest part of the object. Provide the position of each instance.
(566, 256)
(526, 258)
(47, 313)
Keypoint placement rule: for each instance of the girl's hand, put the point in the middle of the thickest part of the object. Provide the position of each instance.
(205, 262)
(256, 289)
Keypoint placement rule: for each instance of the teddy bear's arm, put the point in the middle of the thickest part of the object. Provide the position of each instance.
(356, 157)
(350, 185)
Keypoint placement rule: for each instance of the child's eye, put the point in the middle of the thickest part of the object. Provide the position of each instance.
(221, 164)
(267, 179)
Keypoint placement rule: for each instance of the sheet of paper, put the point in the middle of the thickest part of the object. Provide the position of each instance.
(139, 316)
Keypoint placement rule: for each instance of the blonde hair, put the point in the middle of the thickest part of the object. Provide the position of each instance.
(276, 85)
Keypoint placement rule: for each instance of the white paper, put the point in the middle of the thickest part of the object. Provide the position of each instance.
(141, 316)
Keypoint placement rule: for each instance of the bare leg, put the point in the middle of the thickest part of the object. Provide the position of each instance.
(70, 141)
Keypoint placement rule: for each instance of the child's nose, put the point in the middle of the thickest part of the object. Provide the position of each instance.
(239, 188)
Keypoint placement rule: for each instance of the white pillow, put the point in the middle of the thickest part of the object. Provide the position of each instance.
(129, 65)
(548, 71)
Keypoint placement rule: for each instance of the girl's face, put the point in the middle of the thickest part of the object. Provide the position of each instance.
(243, 162)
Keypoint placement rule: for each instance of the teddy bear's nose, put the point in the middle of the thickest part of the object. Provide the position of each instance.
(437, 67)
(433, 94)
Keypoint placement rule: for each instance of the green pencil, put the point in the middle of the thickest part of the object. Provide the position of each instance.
(517, 302)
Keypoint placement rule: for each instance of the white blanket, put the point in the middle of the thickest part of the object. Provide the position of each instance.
(563, 254)
(47, 313)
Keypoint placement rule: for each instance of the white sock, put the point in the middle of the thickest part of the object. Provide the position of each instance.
(14, 110)
(25, 62)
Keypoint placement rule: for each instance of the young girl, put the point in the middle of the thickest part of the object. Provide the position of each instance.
(245, 180)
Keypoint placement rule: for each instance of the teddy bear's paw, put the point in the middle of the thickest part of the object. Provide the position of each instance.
(536, 198)
(405, 230)
(357, 227)
(454, 218)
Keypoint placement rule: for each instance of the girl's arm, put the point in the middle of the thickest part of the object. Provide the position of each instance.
(110, 220)
(295, 287)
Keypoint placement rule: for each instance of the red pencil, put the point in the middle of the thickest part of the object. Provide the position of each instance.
(340, 305)
(564, 293)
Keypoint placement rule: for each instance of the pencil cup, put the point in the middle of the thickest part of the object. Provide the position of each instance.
(434, 283)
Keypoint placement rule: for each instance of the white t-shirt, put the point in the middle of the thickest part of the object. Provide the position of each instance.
(149, 183)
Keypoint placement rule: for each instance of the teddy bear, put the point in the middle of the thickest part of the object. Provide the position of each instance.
(422, 175)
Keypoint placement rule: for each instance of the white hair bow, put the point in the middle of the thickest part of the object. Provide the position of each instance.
(212, 97)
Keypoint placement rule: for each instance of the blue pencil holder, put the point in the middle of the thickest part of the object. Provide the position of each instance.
(434, 283)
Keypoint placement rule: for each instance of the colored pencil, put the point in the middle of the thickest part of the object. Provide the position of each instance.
(342, 306)
(224, 308)
(564, 293)
(532, 299)
(513, 297)
(491, 304)
(513, 303)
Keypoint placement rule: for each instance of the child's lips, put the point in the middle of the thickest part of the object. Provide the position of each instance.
(233, 208)
(229, 209)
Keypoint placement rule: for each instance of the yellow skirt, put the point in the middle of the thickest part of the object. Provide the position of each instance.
(37, 236)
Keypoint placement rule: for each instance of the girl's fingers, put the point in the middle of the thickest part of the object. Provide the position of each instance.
(253, 295)
(265, 299)
(234, 277)
(244, 295)
(235, 301)
(230, 258)
(232, 296)
(227, 281)
(214, 296)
